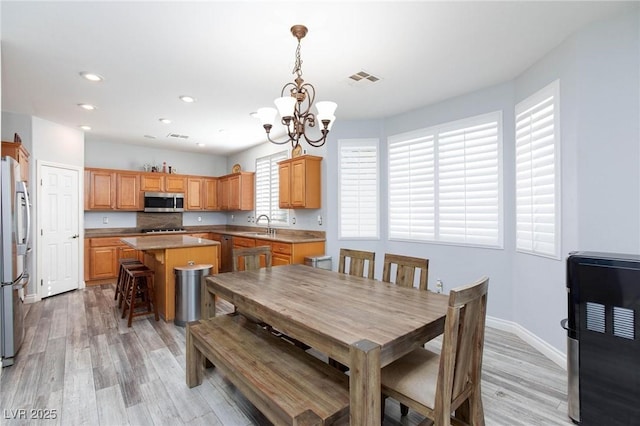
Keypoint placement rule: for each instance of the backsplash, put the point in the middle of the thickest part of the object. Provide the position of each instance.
(158, 220)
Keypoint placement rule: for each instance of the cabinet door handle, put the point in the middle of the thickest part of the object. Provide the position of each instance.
(75, 236)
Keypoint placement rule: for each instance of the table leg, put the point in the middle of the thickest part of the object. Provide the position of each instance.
(194, 362)
(208, 301)
(364, 382)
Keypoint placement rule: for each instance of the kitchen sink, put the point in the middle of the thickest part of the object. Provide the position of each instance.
(255, 234)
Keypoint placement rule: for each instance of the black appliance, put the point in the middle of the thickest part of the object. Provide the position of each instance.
(163, 202)
(603, 353)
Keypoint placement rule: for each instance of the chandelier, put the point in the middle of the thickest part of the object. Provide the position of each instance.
(294, 106)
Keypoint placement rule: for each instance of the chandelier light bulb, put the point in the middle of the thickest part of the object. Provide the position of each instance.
(267, 116)
(286, 106)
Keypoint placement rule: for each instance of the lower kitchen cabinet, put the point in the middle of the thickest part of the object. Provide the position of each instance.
(283, 253)
(101, 258)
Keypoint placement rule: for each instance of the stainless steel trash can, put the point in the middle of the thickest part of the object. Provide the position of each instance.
(322, 262)
(188, 287)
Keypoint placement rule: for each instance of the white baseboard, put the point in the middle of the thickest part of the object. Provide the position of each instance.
(31, 298)
(545, 348)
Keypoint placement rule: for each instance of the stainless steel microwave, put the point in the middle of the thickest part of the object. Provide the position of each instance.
(163, 202)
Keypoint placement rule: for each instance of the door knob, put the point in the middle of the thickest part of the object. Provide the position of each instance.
(75, 236)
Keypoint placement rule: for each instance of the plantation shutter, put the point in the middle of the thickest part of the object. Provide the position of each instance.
(537, 174)
(412, 186)
(267, 189)
(469, 184)
(358, 176)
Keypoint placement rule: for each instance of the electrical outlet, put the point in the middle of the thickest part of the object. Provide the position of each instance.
(199, 219)
(439, 286)
(233, 218)
(105, 220)
(319, 220)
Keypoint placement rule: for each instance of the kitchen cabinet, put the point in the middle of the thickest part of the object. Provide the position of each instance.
(210, 191)
(162, 182)
(300, 182)
(112, 190)
(202, 193)
(236, 191)
(100, 189)
(18, 152)
(103, 254)
(283, 253)
(128, 194)
(244, 242)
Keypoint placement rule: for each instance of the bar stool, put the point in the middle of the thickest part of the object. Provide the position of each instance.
(122, 275)
(139, 292)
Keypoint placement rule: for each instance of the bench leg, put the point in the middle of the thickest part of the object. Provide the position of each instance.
(194, 362)
(307, 418)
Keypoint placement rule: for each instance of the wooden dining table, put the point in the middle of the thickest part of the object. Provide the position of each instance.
(362, 323)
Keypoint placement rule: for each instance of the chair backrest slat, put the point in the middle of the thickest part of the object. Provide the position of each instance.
(251, 257)
(357, 261)
(406, 267)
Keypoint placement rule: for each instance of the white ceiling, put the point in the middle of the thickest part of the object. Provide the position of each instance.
(234, 57)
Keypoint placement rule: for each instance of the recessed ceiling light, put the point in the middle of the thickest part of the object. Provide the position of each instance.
(149, 137)
(88, 107)
(91, 76)
(164, 120)
(188, 99)
(200, 144)
(85, 127)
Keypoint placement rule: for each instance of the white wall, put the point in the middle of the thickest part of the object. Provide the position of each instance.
(113, 155)
(49, 142)
(598, 70)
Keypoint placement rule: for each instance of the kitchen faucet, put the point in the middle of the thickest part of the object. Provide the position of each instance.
(269, 230)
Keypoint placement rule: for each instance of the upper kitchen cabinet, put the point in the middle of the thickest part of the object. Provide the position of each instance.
(300, 186)
(18, 152)
(100, 189)
(128, 194)
(236, 191)
(109, 189)
(160, 182)
(202, 193)
(210, 191)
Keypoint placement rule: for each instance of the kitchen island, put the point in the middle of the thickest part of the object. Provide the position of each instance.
(162, 253)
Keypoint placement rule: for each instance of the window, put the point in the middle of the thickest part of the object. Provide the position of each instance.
(358, 185)
(537, 173)
(267, 188)
(445, 183)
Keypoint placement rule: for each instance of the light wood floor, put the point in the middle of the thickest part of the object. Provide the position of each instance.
(81, 362)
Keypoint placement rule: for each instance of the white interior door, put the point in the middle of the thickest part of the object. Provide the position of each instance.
(58, 212)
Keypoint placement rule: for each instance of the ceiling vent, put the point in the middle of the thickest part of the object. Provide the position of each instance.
(364, 76)
(177, 136)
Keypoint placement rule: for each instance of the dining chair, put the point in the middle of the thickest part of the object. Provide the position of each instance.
(439, 384)
(405, 268)
(357, 260)
(249, 258)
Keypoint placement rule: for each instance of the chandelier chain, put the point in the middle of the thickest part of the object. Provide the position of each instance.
(297, 68)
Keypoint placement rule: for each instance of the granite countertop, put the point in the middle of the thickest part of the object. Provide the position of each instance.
(282, 235)
(161, 242)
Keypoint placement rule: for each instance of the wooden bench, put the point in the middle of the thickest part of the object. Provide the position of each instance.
(288, 385)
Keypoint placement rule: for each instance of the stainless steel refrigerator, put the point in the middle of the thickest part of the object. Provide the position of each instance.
(14, 247)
